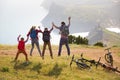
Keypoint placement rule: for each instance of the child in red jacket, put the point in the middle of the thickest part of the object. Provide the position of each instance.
(21, 47)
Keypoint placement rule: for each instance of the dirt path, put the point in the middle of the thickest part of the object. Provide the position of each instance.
(89, 52)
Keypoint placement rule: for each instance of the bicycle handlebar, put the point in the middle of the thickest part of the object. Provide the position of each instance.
(107, 48)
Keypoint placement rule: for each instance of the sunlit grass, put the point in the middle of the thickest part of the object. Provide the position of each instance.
(49, 69)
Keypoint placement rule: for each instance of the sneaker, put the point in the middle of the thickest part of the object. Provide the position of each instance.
(51, 57)
(30, 54)
(59, 55)
(68, 54)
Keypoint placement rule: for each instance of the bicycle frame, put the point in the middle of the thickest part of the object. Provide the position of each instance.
(80, 65)
(92, 62)
(110, 68)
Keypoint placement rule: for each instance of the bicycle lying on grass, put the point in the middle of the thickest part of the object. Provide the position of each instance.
(109, 57)
(108, 67)
(92, 62)
(80, 64)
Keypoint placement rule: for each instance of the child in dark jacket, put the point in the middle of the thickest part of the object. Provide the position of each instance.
(21, 47)
(46, 40)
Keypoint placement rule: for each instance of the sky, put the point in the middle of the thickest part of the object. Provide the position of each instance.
(17, 17)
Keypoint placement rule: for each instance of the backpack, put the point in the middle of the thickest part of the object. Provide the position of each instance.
(64, 30)
(33, 34)
(46, 36)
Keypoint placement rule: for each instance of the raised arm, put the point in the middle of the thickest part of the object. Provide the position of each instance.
(69, 22)
(55, 26)
(27, 39)
(51, 28)
(18, 38)
(39, 29)
(29, 32)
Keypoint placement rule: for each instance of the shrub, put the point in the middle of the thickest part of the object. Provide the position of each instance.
(77, 40)
(5, 69)
(99, 44)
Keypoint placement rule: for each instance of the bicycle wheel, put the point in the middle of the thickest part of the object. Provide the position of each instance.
(109, 58)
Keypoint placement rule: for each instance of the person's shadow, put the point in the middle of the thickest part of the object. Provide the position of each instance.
(37, 68)
(18, 65)
(56, 71)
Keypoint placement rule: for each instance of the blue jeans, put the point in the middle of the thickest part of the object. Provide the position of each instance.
(35, 41)
(63, 41)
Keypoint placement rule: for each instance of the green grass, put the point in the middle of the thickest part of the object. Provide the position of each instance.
(50, 69)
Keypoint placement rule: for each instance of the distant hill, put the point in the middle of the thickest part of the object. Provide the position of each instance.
(100, 34)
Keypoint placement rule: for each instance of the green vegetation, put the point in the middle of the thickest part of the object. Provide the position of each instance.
(50, 69)
(57, 69)
(77, 40)
(100, 44)
(5, 69)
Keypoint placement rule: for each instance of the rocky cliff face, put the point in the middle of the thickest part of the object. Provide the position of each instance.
(57, 14)
(85, 14)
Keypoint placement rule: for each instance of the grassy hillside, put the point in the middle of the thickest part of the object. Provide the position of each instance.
(54, 69)
(111, 38)
(102, 35)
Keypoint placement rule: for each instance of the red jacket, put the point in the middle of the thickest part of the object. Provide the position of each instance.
(21, 45)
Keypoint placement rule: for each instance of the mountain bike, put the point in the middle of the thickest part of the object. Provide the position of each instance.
(109, 57)
(108, 67)
(92, 62)
(79, 64)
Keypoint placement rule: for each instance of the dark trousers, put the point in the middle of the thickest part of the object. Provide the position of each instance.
(44, 48)
(63, 41)
(21, 51)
